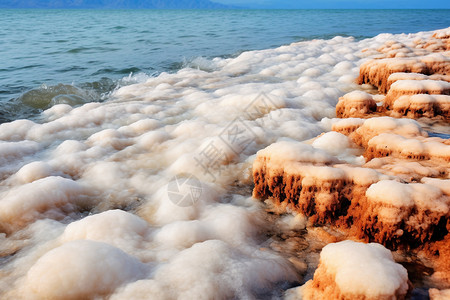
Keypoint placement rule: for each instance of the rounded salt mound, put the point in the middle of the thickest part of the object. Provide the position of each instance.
(351, 270)
(81, 270)
(355, 104)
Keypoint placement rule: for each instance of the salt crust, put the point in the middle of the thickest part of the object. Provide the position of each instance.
(436, 294)
(122, 153)
(350, 270)
(372, 205)
(422, 105)
(413, 87)
(355, 104)
(387, 210)
(377, 72)
(82, 269)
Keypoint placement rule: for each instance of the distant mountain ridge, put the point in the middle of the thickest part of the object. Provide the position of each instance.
(113, 4)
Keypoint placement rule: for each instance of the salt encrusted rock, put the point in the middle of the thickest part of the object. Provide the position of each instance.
(436, 294)
(401, 138)
(308, 184)
(348, 125)
(413, 87)
(392, 49)
(438, 45)
(441, 41)
(442, 33)
(440, 251)
(355, 104)
(409, 170)
(394, 213)
(422, 105)
(351, 270)
(362, 131)
(389, 200)
(303, 179)
(412, 76)
(386, 144)
(377, 72)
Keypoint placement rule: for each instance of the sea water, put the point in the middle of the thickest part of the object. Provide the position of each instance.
(129, 174)
(88, 53)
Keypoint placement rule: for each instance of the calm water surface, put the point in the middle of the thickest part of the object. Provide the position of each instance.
(84, 54)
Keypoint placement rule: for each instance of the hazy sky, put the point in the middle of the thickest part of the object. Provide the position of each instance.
(340, 3)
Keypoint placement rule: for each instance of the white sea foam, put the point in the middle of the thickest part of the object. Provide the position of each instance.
(208, 120)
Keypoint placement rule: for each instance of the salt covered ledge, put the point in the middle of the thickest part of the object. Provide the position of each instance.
(368, 204)
(414, 87)
(412, 98)
(415, 79)
(355, 104)
(374, 178)
(413, 76)
(350, 270)
(377, 72)
(389, 137)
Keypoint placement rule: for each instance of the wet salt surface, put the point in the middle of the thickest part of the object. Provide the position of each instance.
(64, 179)
(439, 135)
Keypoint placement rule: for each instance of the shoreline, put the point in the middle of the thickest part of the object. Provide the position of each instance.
(158, 182)
(391, 196)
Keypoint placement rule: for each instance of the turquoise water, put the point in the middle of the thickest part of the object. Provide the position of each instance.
(81, 55)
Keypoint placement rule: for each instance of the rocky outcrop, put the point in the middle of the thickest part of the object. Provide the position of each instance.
(422, 106)
(436, 294)
(369, 204)
(422, 68)
(414, 87)
(361, 131)
(350, 270)
(413, 76)
(356, 104)
(395, 192)
(376, 72)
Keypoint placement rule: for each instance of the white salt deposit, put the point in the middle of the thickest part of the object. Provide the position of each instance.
(297, 152)
(351, 270)
(82, 269)
(50, 196)
(68, 173)
(433, 86)
(364, 269)
(392, 193)
(357, 96)
(340, 146)
(115, 227)
(362, 176)
(443, 184)
(406, 76)
(436, 294)
(34, 171)
(442, 33)
(347, 122)
(403, 127)
(405, 146)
